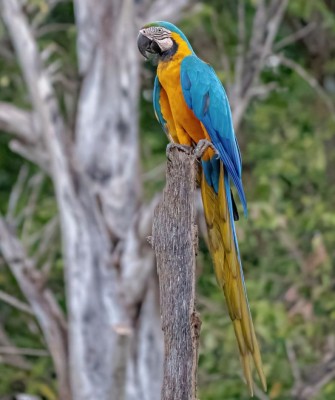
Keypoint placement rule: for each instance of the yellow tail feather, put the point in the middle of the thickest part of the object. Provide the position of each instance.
(229, 276)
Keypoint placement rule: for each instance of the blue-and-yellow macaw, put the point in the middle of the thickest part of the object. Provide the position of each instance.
(191, 104)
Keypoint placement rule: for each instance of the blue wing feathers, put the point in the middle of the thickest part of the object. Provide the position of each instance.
(157, 107)
(212, 172)
(205, 95)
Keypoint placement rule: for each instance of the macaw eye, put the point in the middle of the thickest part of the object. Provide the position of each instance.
(160, 30)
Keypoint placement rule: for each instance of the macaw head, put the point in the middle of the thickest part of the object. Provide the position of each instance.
(161, 38)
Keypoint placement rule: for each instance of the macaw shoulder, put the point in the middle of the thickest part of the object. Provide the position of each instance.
(195, 69)
(203, 91)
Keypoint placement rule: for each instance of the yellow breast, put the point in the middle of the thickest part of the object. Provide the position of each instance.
(187, 128)
(184, 127)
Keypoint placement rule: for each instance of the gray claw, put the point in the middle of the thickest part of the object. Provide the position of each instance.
(202, 146)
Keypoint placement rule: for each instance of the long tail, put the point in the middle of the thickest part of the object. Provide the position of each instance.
(224, 249)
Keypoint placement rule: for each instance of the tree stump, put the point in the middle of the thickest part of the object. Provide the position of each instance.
(175, 242)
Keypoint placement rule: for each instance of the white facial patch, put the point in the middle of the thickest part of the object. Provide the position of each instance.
(165, 44)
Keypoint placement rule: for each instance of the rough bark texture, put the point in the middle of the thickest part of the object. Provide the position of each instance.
(175, 243)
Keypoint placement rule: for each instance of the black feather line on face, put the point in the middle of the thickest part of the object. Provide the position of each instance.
(154, 48)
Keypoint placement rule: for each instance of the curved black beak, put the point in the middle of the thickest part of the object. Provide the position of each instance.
(146, 45)
(143, 44)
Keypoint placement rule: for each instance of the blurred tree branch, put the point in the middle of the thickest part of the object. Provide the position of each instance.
(18, 122)
(240, 57)
(24, 127)
(15, 360)
(23, 351)
(42, 302)
(309, 385)
(26, 397)
(165, 11)
(295, 36)
(249, 64)
(310, 79)
(16, 303)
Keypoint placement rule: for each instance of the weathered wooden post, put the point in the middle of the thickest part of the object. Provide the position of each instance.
(175, 242)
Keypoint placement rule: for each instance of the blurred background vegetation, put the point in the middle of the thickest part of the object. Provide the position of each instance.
(287, 138)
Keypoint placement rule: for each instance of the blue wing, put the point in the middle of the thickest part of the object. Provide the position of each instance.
(205, 95)
(157, 107)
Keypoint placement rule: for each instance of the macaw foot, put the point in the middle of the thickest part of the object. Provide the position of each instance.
(202, 146)
(182, 147)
